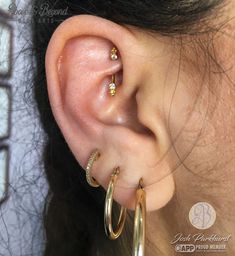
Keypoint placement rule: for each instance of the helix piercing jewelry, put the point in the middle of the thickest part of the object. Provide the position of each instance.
(108, 226)
(90, 180)
(113, 55)
(112, 86)
(139, 222)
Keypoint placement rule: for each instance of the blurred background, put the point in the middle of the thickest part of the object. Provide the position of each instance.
(22, 185)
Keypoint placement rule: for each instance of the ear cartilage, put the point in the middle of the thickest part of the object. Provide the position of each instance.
(112, 86)
(113, 54)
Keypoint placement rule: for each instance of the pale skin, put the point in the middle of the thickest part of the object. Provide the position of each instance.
(170, 123)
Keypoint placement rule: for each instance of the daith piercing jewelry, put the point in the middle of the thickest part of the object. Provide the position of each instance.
(90, 180)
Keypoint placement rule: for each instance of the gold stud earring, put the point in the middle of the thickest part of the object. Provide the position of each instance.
(113, 54)
(112, 86)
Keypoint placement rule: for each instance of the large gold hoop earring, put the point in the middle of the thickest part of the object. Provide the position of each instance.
(140, 222)
(91, 181)
(108, 226)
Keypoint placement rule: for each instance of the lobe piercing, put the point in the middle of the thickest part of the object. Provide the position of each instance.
(93, 157)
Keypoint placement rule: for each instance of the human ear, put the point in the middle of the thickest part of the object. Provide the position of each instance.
(122, 127)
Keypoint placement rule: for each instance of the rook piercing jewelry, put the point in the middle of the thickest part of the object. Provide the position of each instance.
(112, 86)
(108, 226)
(139, 222)
(113, 54)
(91, 181)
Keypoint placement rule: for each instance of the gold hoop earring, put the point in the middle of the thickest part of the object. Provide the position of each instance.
(108, 210)
(140, 222)
(91, 181)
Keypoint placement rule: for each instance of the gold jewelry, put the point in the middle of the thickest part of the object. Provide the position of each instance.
(91, 181)
(113, 55)
(112, 86)
(139, 222)
(108, 210)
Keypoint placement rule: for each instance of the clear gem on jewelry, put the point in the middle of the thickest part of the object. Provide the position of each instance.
(112, 89)
(113, 86)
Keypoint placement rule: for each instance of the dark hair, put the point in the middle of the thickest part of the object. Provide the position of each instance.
(74, 211)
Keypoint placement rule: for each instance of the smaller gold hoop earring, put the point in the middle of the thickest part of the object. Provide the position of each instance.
(108, 226)
(90, 180)
(140, 222)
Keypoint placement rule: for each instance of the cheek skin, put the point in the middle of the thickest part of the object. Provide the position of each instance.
(185, 107)
(199, 108)
(200, 111)
(192, 134)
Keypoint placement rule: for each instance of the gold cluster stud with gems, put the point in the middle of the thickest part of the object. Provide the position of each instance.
(113, 54)
(112, 86)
